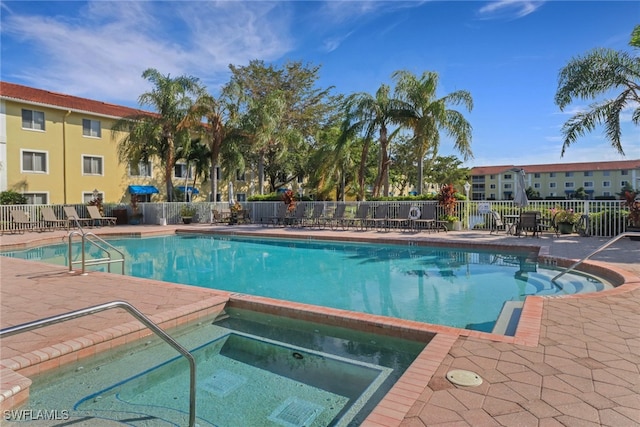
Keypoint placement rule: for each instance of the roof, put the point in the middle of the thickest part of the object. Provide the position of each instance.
(559, 167)
(28, 94)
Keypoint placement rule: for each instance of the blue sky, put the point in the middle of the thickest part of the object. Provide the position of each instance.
(507, 54)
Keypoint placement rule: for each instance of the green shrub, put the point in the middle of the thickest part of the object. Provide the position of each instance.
(10, 197)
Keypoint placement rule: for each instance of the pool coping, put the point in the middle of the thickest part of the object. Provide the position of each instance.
(396, 404)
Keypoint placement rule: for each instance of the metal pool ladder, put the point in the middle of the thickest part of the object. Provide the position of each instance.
(29, 326)
(108, 260)
(606, 245)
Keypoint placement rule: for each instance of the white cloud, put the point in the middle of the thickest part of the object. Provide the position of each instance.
(102, 53)
(509, 9)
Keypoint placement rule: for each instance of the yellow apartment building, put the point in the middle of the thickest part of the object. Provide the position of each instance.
(59, 149)
(598, 179)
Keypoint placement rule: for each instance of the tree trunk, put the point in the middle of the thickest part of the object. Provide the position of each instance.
(420, 176)
(261, 173)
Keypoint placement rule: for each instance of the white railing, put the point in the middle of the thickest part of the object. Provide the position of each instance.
(606, 218)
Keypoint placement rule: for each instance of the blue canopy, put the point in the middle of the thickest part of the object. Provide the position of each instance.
(189, 188)
(143, 189)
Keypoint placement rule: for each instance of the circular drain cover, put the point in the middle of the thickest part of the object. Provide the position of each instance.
(464, 378)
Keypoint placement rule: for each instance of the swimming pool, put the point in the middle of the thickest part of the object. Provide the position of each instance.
(454, 287)
(253, 369)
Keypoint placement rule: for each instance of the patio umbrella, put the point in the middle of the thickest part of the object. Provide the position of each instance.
(231, 199)
(520, 198)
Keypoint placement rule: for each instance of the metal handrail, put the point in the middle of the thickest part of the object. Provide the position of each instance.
(29, 326)
(606, 245)
(84, 235)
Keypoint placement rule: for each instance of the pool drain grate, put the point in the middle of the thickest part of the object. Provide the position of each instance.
(295, 412)
(222, 382)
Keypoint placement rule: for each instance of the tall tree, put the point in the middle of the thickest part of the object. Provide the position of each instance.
(369, 115)
(427, 115)
(157, 134)
(596, 74)
(285, 109)
(221, 117)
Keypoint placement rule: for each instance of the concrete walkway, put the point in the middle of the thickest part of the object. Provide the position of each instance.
(582, 370)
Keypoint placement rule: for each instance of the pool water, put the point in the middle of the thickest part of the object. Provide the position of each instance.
(314, 376)
(454, 287)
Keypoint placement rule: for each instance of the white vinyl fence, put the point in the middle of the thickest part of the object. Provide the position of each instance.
(605, 218)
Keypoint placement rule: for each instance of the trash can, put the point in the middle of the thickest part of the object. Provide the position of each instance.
(121, 216)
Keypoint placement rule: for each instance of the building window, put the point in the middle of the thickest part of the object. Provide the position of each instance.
(300, 179)
(588, 184)
(34, 161)
(91, 128)
(606, 194)
(492, 186)
(507, 176)
(552, 185)
(36, 198)
(218, 173)
(552, 194)
(88, 196)
(141, 169)
(568, 185)
(492, 177)
(606, 183)
(623, 184)
(241, 197)
(624, 172)
(536, 175)
(32, 119)
(536, 185)
(180, 171)
(91, 165)
(240, 176)
(568, 174)
(588, 173)
(552, 174)
(606, 173)
(506, 186)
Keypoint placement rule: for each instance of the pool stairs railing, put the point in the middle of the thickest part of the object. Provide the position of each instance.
(36, 324)
(87, 237)
(599, 249)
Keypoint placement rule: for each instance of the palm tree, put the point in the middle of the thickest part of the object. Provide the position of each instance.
(219, 115)
(196, 153)
(426, 115)
(157, 134)
(368, 115)
(597, 73)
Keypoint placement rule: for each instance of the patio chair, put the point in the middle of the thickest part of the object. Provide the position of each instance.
(73, 217)
(21, 222)
(379, 218)
(216, 217)
(497, 223)
(337, 220)
(529, 222)
(95, 215)
(298, 218)
(428, 220)
(401, 219)
(316, 219)
(279, 218)
(359, 220)
(51, 221)
(244, 216)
